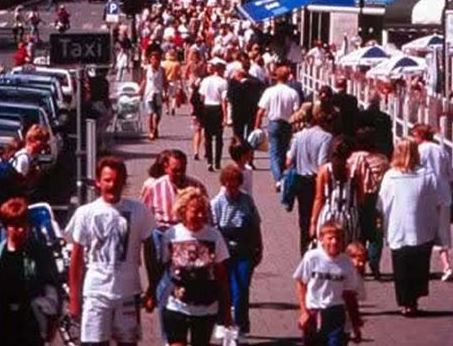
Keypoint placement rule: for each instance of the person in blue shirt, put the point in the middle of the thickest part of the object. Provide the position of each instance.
(236, 216)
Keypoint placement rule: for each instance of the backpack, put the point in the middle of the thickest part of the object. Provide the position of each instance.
(11, 181)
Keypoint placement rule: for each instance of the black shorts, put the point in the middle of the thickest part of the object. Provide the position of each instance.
(178, 325)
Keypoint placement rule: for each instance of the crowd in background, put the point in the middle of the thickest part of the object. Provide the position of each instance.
(353, 188)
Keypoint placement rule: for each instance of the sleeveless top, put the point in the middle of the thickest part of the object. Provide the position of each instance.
(340, 205)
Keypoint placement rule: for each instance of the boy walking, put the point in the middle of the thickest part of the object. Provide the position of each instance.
(326, 288)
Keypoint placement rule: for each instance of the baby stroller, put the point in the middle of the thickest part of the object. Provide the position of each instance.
(128, 114)
(47, 230)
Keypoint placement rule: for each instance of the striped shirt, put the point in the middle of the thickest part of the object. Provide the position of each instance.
(370, 167)
(234, 213)
(160, 196)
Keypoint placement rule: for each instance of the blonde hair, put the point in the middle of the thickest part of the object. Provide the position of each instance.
(331, 227)
(186, 196)
(356, 248)
(406, 156)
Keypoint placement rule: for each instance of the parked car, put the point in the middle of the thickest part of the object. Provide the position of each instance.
(40, 98)
(67, 82)
(35, 81)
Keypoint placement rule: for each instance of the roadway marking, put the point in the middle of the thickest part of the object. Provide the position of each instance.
(3, 12)
(3, 24)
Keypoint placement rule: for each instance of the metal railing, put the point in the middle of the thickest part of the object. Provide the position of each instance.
(403, 106)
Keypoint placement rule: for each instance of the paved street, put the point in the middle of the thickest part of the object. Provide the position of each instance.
(274, 309)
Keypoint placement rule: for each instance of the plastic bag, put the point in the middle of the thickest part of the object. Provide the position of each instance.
(230, 337)
(258, 140)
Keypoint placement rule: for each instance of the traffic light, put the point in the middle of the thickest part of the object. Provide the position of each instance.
(131, 7)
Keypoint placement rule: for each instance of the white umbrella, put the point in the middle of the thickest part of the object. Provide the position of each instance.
(366, 56)
(398, 66)
(425, 43)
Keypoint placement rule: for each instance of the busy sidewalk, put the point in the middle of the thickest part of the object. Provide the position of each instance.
(274, 308)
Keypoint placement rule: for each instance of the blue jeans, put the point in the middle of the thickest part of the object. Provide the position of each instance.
(240, 274)
(330, 332)
(279, 138)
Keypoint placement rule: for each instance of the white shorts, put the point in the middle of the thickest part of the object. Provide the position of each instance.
(104, 319)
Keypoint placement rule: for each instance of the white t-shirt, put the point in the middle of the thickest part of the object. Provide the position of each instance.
(185, 249)
(112, 236)
(326, 278)
(279, 101)
(21, 161)
(434, 157)
(213, 89)
(154, 82)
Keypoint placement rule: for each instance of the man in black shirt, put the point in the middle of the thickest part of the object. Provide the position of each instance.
(348, 109)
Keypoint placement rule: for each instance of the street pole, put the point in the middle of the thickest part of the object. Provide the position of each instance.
(446, 48)
(360, 20)
(79, 153)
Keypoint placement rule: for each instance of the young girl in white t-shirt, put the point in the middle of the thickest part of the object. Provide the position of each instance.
(326, 288)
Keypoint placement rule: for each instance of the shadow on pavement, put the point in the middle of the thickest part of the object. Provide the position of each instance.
(129, 155)
(274, 306)
(274, 341)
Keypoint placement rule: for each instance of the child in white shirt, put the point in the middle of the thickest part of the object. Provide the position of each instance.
(326, 287)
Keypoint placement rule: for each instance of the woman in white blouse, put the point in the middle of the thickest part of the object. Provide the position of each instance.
(409, 202)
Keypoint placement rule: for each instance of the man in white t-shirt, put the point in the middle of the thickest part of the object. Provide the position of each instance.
(213, 92)
(279, 102)
(327, 285)
(153, 88)
(109, 233)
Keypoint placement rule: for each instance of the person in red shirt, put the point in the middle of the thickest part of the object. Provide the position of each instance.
(21, 55)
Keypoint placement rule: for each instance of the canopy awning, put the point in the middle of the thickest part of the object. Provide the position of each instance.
(260, 10)
(413, 14)
(428, 12)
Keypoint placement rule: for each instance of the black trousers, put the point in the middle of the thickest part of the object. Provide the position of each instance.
(213, 129)
(177, 326)
(306, 189)
(411, 271)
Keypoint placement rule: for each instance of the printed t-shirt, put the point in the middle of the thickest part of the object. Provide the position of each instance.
(326, 278)
(191, 258)
(112, 235)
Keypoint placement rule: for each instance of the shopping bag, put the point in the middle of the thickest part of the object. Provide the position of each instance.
(230, 337)
(258, 140)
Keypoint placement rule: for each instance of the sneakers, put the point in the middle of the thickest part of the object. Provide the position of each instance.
(447, 275)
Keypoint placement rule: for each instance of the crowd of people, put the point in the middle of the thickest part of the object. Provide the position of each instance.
(353, 188)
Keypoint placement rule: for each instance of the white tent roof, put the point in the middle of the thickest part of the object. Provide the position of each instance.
(366, 56)
(424, 43)
(398, 66)
(428, 12)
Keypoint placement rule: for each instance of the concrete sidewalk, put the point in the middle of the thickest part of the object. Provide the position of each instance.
(274, 309)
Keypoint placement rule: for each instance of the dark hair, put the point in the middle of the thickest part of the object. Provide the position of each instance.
(114, 163)
(157, 169)
(178, 155)
(365, 138)
(238, 148)
(231, 172)
(424, 131)
(340, 151)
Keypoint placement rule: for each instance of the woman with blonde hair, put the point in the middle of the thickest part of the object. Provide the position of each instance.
(195, 255)
(409, 202)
